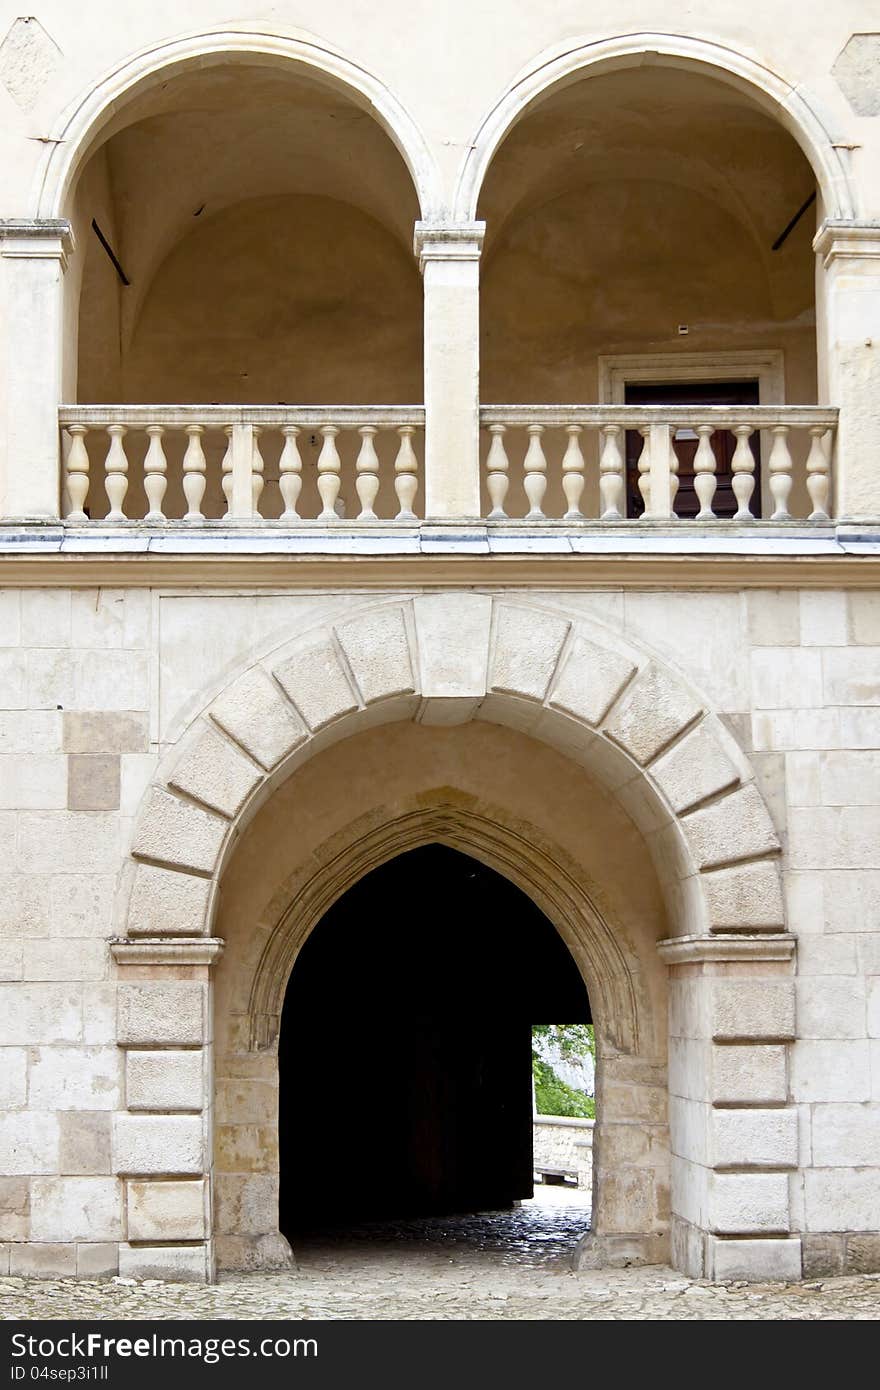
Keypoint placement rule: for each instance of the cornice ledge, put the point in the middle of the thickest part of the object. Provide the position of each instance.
(36, 238)
(186, 950)
(448, 241)
(837, 238)
(697, 950)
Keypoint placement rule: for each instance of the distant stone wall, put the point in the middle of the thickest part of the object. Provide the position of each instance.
(561, 1142)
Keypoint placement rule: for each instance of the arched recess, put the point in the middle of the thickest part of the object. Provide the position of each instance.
(788, 104)
(87, 118)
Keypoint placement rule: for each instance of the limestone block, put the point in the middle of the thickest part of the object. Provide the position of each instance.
(831, 1007)
(773, 617)
(736, 827)
(452, 634)
(745, 896)
(161, 1013)
(751, 1075)
(830, 1071)
(57, 960)
(823, 618)
(314, 679)
(105, 731)
(177, 832)
(21, 731)
(694, 769)
(846, 1135)
(24, 905)
(99, 1014)
(864, 610)
(525, 651)
(166, 1211)
(163, 902)
(842, 1199)
(72, 1078)
(15, 1208)
(873, 1010)
(97, 1261)
(748, 1202)
(627, 1199)
(45, 617)
(178, 1264)
(13, 1078)
(93, 782)
(863, 1253)
(84, 1142)
(158, 1144)
(33, 782)
(852, 676)
(212, 771)
(11, 960)
(246, 1203)
(376, 647)
(755, 1261)
(823, 1254)
(650, 713)
(40, 1013)
(269, 1251)
(245, 1148)
(590, 681)
(165, 1080)
(111, 680)
(255, 713)
(28, 1143)
(689, 1125)
(851, 900)
(76, 1209)
(868, 958)
(43, 1260)
(849, 777)
(781, 678)
(754, 1138)
(81, 905)
(53, 842)
(749, 1008)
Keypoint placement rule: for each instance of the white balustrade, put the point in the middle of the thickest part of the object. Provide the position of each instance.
(262, 465)
(585, 463)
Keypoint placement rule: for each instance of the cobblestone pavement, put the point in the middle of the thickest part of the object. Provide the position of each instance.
(497, 1266)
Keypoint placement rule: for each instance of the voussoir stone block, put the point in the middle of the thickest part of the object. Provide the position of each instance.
(749, 1008)
(452, 632)
(747, 1138)
(746, 1202)
(650, 713)
(161, 1013)
(525, 651)
(158, 1144)
(165, 1080)
(376, 647)
(166, 1211)
(178, 832)
(163, 903)
(315, 680)
(694, 769)
(590, 681)
(212, 771)
(255, 713)
(736, 827)
(745, 896)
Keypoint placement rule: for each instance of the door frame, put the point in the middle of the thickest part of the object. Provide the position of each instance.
(767, 367)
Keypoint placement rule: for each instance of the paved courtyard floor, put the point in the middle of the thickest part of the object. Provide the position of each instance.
(502, 1265)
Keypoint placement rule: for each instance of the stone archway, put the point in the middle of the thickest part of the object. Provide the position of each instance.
(640, 731)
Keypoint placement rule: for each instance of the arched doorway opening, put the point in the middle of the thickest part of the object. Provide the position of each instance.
(405, 1045)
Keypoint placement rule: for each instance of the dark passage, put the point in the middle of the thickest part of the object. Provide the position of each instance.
(405, 1046)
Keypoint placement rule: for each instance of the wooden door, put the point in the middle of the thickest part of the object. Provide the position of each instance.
(687, 504)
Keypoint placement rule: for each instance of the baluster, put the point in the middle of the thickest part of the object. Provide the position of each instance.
(673, 471)
(406, 474)
(367, 473)
(257, 467)
(573, 473)
(155, 473)
(77, 472)
(290, 470)
(818, 474)
(535, 466)
(194, 468)
(226, 471)
(779, 467)
(705, 481)
(329, 469)
(497, 468)
(743, 467)
(611, 483)
(645, 470)
(116, 473)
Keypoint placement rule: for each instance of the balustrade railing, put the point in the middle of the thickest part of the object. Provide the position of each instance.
(659, 463)
(248, 463)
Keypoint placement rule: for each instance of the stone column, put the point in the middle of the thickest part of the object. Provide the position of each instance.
(33, 257)
(733, 1131)
(449, 257)
(162, 1141)
(848, 332)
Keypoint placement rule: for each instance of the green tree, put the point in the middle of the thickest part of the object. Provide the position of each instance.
(553, 1096)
